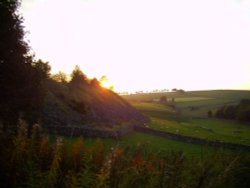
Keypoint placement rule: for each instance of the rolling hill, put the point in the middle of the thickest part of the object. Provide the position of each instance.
(91, 107)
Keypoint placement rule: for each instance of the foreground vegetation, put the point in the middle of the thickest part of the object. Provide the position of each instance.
(36, 162)
(153, 144)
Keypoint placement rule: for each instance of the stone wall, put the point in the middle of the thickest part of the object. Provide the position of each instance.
(91, 132)
(88, 132)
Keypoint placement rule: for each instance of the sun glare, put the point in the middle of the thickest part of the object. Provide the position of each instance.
(104, 81)
(107, 85)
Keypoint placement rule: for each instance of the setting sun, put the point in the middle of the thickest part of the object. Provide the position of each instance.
(104, 81)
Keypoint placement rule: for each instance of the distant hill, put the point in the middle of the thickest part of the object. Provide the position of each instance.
(192, 103)
(89, 106)
(222, 94)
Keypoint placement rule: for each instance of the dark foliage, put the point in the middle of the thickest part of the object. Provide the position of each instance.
(21, 77)
(239, 112)
(180, 91)
(95, 83)
(210, 114)
(78, 78)
(36, 162)
(227, 112)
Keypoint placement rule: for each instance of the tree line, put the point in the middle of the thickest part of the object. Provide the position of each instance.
(240, 112)
(77, 79)
(21, 75)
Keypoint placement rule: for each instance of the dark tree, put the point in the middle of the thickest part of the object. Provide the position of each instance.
(35, 92)
(243, 110)
(12, 60)
(174, 89)
(95, 83)
(78, 78)
(227, 112)
(20, 76)
(243, 115)
(181, 91)
(239, 112)
(210, 114)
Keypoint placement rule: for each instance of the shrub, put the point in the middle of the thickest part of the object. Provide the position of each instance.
(210, 114)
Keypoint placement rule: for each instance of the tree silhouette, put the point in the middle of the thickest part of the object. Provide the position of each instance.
(95, 83)
(209, 113)
(78, 78)
(239, 112)
(20, 76)
(60, 77)
(35, 92)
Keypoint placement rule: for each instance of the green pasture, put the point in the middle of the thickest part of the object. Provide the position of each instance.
(210, 129)
(199, 108)
(209, 94)
(151, 143)
(182, 121)
(191, 103)
(191, 99)
(207, 128)
(190, 117)
(154, 107)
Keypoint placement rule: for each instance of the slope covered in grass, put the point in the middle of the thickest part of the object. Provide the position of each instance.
(87, 105)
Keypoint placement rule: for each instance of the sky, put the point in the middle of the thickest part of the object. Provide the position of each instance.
(145, 44)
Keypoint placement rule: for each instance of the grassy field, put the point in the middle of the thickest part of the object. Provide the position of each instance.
(151, 143)
(211, 129)
(192, 103)
(192, 123)
(192, 117)
(138, 160)
(211, 94)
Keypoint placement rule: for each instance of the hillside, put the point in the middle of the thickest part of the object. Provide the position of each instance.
(88, 106)
(188, 114)
(192, 103)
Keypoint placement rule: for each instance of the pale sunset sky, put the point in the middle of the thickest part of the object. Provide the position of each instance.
(145, 44)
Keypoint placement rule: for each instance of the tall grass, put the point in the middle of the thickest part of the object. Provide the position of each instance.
(36, 162)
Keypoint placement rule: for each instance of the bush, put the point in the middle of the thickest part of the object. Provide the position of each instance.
(210, 113)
